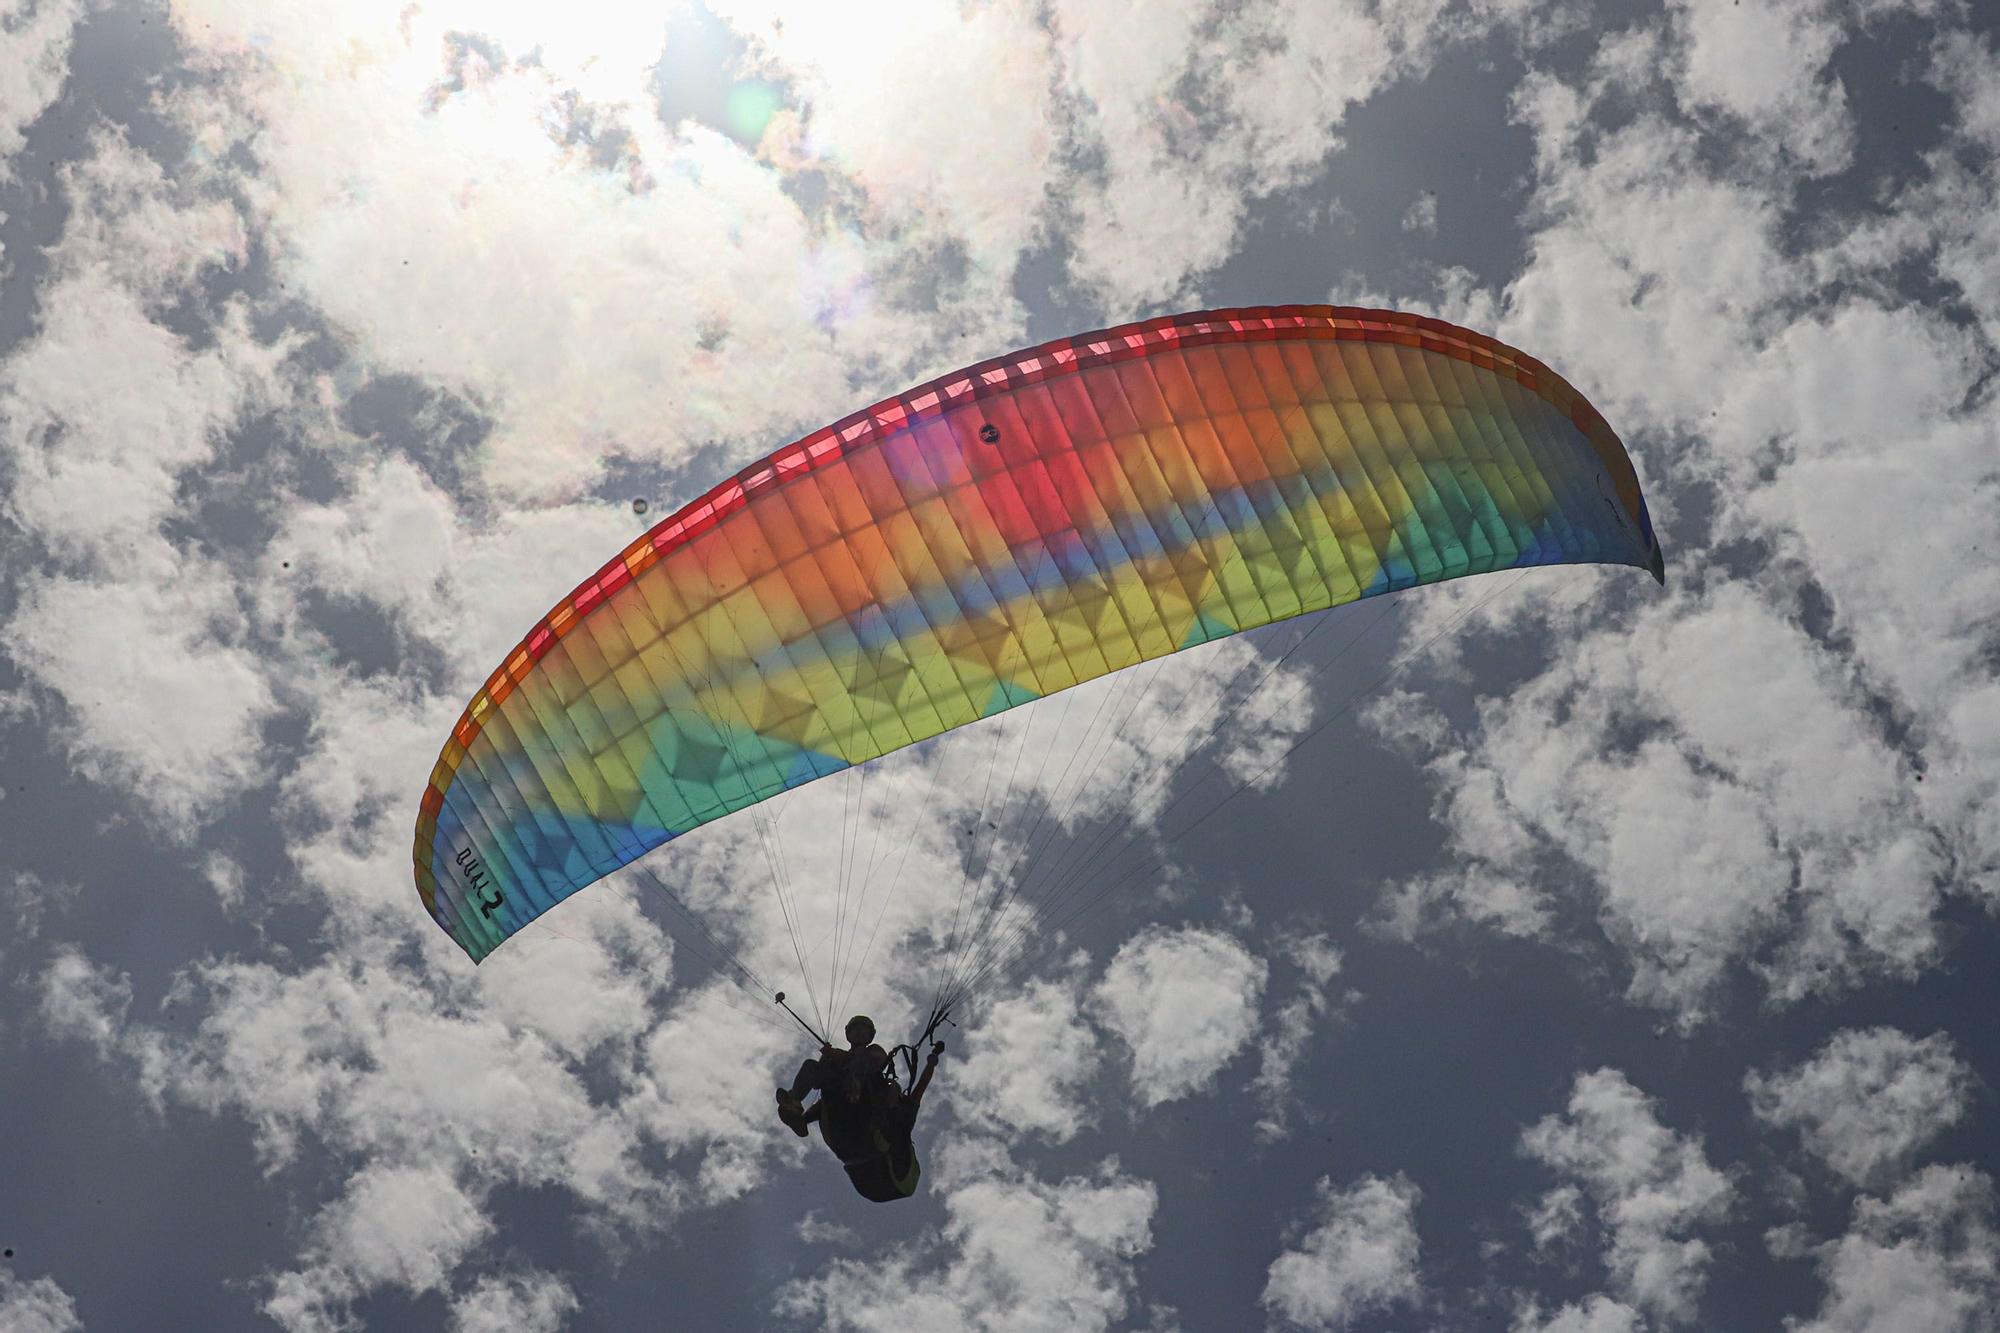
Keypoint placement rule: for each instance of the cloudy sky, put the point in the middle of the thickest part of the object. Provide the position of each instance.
(1577, 955)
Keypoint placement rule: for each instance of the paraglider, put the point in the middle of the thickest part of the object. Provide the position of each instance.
(994, 537)
(863, 1114)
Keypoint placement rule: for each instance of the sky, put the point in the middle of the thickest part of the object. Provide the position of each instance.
(1575, 955)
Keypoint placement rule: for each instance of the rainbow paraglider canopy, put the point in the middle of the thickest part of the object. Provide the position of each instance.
(993, 537)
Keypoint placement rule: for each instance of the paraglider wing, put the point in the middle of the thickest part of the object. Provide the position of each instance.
(993, 537)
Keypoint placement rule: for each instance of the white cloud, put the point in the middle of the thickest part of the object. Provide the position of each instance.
(405, 1227)
(1764, 62)
(1423, 214)
(98, 456)
(159, 702)
(1184, 1002)
(1925, 639)
(1485, 882)
(816, 1230)
(1598, 1314)
(434, 1094)
(1014, 1252)
(225, 875)
(1027, 1065)
(1318, 963)
(1360, 1256)
(716, 1114)
(142, 640)
(1556, 1219)
(1868, 1100)
(1652, 1189)
(609, 967)
(1482, 895)
(28, 899)
(1945, 217)
(1098, 141)
(1729, 351)
(1708, 840)
(1645, 268)
(1925, 1259)
(1779, 377)
(34, 65)
(1537, 22)
(1970, 71)
(37, 1305)
(522, 1303)
(1274, 84)
(1829, 392)
(83, 1002)
(991, 65)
